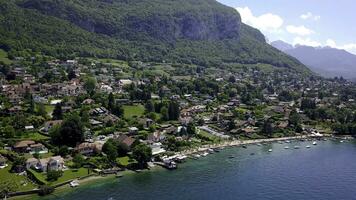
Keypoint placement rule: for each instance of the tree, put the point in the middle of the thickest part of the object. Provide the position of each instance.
(267, 128)
(191, 129)
(71, 74)
(41, 111)
(45, 190)
(142, 154)
(294, 118)
(122, 149)
(110, 149)
(70, 133)
(118, 110)
(149, 106)
(173, 110)
(57, 112)
(78, 161)
(111, 101)
(54, 175)
(63, 151)
(90, 84)
(7, 132)
(164, 113)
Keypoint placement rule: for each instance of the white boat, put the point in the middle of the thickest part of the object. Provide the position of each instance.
(296, 147)
(197, 156)
(74, 183)
(286, 147)
(342, 141)
(314, 143)
(308, 147)
(211, 150)
(205, 154)
(270, 150)
(287, 141)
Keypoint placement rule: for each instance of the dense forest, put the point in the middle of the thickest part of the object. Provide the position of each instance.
(202, 32)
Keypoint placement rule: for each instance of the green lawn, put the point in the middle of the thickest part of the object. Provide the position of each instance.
(33, 136)
(125, 161)
(208, 135)
(49, 108)
(14, 182)
(3, 57)
(131, 111)
(67, 175)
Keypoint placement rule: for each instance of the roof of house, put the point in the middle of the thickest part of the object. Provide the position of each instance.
(126, 140)
(24, 143)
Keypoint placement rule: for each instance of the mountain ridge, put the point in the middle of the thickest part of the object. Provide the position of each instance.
(327, 61)
(202, 32)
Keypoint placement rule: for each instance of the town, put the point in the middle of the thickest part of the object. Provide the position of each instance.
(64, 120)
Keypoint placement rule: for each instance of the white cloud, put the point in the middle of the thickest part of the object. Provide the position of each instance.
(331, 43)
(266, 22)
(299, 30)
(310, 15)
(351, 47)
(306, 41)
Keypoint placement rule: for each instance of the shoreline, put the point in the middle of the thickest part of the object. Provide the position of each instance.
(103, 179)
(236, 143)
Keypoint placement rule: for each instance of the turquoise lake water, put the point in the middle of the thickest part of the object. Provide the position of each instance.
(326, 171)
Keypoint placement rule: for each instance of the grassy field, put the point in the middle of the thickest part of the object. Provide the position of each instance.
(208, 135)
(33, 136)
(3, 57)
(14, 181)
(67, 175)
(131, 111)
(49, 108)
(125, 161)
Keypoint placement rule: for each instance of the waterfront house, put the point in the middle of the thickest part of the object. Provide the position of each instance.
(55, 163)
(87, 148)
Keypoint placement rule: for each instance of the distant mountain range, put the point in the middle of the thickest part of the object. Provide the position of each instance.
(326, 61)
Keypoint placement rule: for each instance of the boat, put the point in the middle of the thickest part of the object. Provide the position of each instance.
(252, 154)
(308, 147)
(211, 150)
(280, 142)
(119, 175)
(205, 154)
(197, 156)
(286, 147)
(74, 183)
(217, 150)
(244, 146)
(296, 147)
(341, 141)
(231, 156)
(270, 150)
(314, 143)
(259, 144)
(287, 141)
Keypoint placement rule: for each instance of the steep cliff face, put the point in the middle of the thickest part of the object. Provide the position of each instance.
(202, 32)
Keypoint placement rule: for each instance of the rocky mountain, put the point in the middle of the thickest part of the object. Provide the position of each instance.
(327, 61)
(202, 32)
(281, 45)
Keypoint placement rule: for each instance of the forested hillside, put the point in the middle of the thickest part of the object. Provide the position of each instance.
(189, 31)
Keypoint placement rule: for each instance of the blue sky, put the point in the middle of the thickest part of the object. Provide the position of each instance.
(309, 22)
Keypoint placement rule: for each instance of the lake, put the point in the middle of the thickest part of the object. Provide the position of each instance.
(326, 171)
